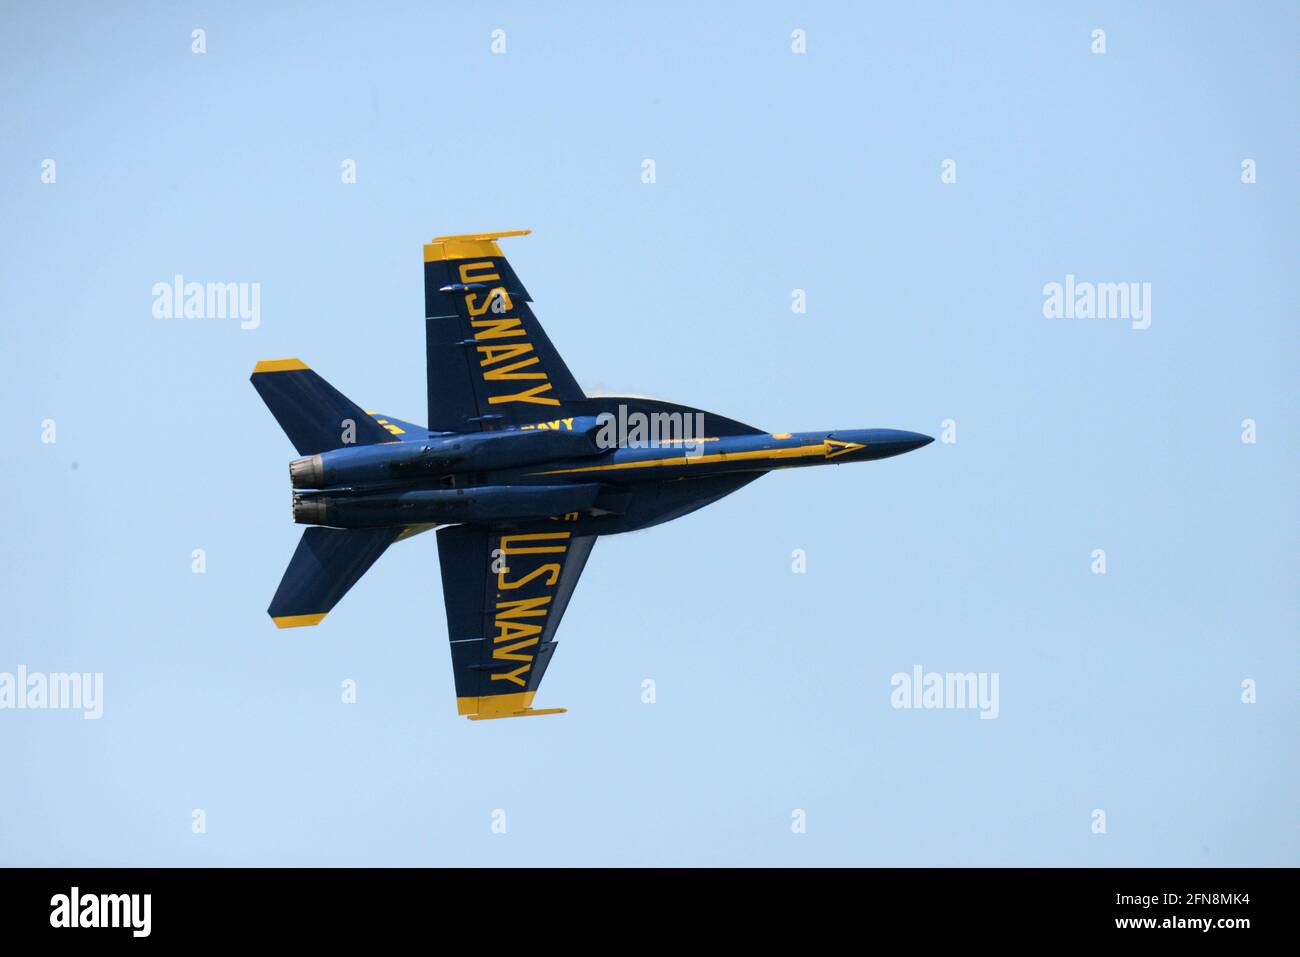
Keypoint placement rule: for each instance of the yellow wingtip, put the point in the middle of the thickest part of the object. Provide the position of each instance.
(516, 705)
(299, 621)
(525, 713)
(468, 245)
(279, 365)
(479, 237)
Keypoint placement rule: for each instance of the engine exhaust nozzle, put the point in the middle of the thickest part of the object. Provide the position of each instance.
(307, 473)
(309, 510)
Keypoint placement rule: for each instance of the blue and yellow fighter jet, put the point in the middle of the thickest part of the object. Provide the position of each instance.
(522, 469)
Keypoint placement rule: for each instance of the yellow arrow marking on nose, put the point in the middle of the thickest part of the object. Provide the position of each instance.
(834, 448)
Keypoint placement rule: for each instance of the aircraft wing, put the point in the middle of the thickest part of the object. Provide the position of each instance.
(490, 363)
(506, 592)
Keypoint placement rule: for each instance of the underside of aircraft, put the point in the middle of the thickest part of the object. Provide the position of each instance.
(518, 469)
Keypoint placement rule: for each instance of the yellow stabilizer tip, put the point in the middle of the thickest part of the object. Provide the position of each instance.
(526, 713)
(279, 365)
(298, 621)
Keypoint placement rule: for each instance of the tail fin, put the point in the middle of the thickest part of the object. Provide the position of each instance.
(316, 416)
(327, 563)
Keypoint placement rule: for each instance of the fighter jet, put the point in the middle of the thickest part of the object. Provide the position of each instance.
(518, 469)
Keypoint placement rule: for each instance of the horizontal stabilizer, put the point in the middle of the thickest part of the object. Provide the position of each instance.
(327, 563)
(314, 415)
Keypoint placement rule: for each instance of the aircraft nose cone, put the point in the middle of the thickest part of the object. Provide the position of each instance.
(897, 441)
(912, 440)
(884, 443)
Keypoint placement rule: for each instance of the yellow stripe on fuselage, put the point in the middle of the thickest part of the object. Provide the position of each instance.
(757, 455)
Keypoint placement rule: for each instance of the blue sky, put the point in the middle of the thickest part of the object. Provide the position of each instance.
(775, 171)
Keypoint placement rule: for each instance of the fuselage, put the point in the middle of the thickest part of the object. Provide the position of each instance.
(559, 471)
